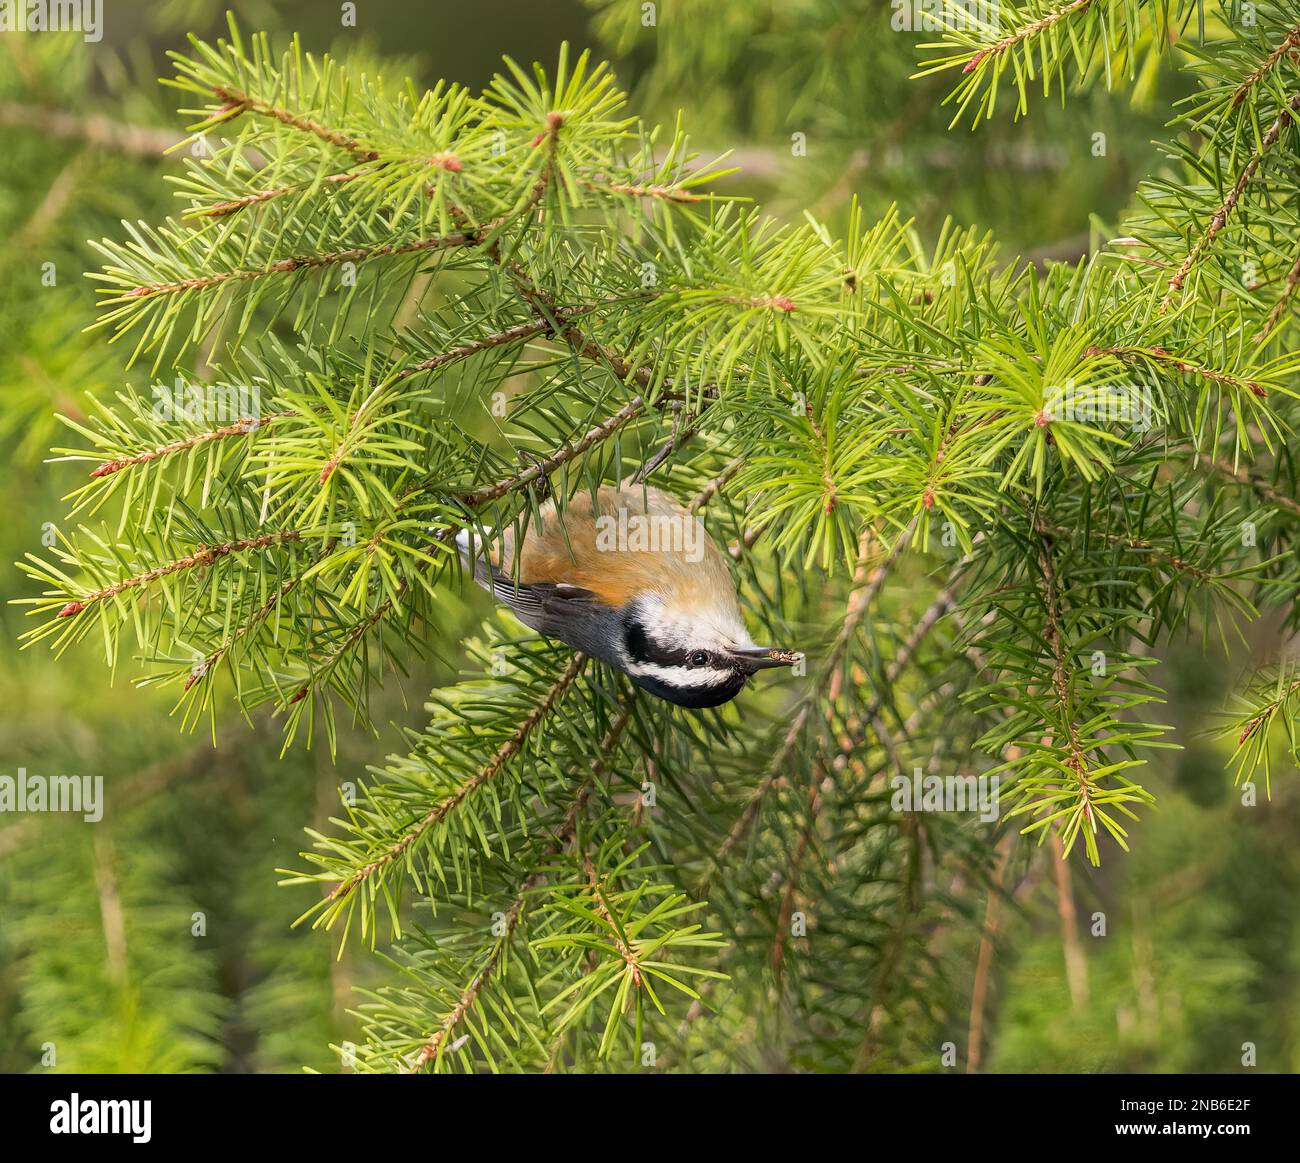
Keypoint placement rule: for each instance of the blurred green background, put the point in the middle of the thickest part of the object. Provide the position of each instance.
(158, 940)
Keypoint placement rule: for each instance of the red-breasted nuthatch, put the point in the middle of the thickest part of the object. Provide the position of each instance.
(635, 581)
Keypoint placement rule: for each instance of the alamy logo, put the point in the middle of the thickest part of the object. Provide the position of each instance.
(102, 1116)
(206, 403)
(81, 794)
(946, 793)
(83, 16)
(1131, 404)
(651, 533)
(941, 15)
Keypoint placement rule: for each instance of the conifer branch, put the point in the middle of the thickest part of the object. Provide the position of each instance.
(666, 193)
(234, 205)
(544, 467)
(1054, 632)
(1262, 487)
(1280, 307)
(562, 839)
(258, 616)
(203, 556)
(502, 338)
(1137, 544)
(430, 1051)
(846, 385)
(1027, 32)
(1160, 356)
(860, 601)
(187, 444)
(1289, 42)
(356, 254)
(1220, 218)
(441, 810)
(892, 956)
(237, 103)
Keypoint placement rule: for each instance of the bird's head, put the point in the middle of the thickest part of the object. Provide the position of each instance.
(694, 657)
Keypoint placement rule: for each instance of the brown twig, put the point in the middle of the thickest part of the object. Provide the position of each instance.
(204, 555)
(1224, 212)
(1263, 488)
(1030, 30)
(663, 193)
(497, 339)
(441, 810)
(1291, 40)
(1140, 545)
(93, 129)
(984, 958)
(1055, 635)
(238, 103)
(239, 428)
(356, 254)
(713, 487)
(234, 205)
(563, 838)
(1160, 355)
(1279, 308)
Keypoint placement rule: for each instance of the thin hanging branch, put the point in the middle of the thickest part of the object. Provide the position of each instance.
(560, 843)
(441, 810)
(1220, 219)
(203, 556)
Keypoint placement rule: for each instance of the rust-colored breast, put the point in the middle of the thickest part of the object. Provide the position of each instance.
(567, 548)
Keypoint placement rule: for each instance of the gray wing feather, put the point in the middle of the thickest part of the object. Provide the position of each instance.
(574, 615)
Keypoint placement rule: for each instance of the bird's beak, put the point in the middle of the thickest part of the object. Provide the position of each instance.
(762, 657)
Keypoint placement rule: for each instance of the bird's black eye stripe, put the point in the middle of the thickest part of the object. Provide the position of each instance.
(635, 640)
(642, 647)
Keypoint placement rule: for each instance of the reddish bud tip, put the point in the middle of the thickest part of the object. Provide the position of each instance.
(109, 466)
(1041, 420)
(928, 499)
(302, 694)
(554, 120)
(70, 609)
(194, 677)
(1257, 390)
(784, 303)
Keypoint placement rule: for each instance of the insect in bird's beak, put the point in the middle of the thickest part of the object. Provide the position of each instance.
(763, 657)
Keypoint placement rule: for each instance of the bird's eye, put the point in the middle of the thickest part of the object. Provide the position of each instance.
(700, 658)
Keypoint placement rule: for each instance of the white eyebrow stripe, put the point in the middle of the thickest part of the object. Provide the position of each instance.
(679, 676)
